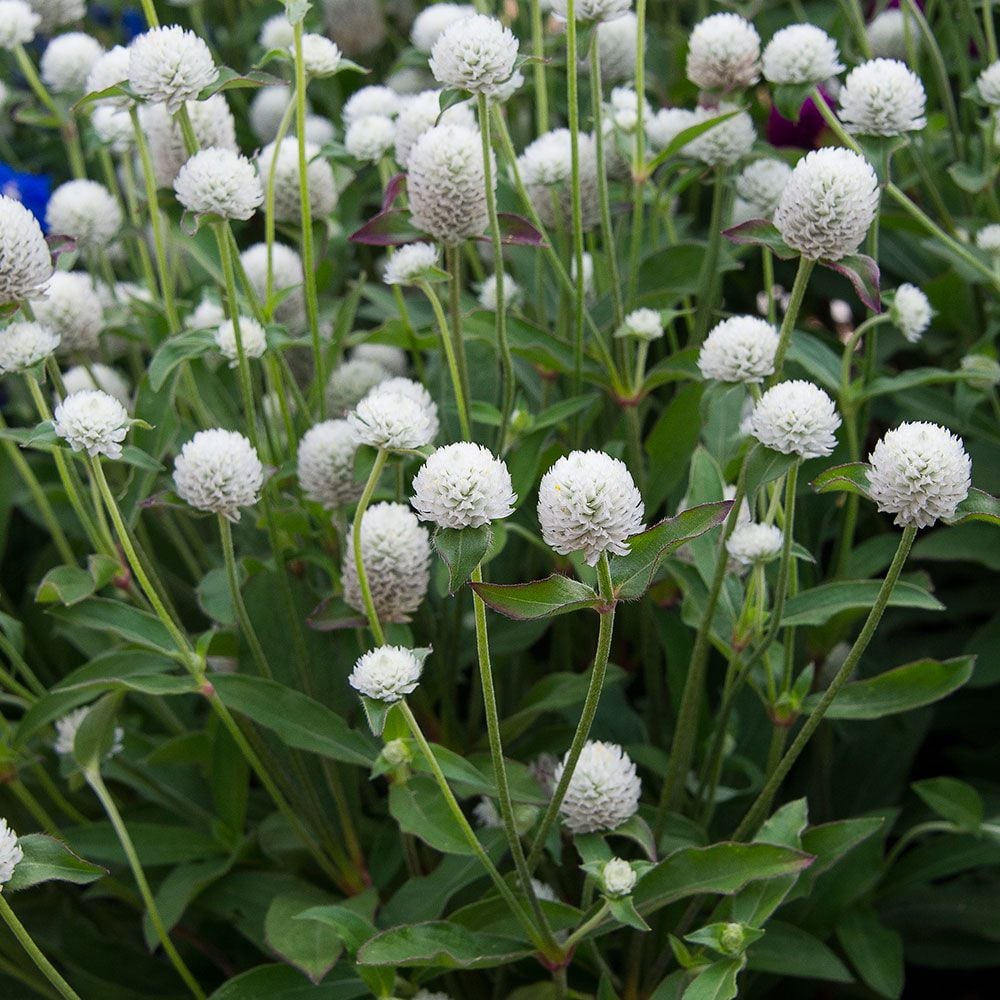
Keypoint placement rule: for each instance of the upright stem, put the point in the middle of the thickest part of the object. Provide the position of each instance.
(46, 968)
(272, 173)
(802, 276)
(461, 402)
(708, 279)
(242, 616)
(852, 11)
(359, 563)
(639, 176)
(454, 261)
(538, 51)
(573, 99)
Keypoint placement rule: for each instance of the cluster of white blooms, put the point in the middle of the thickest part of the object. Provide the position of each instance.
(267, 109)
(663, 127)
(170, 65)
(796, 418)
(69, 725)
(920, 472)
(17, 23)
(396, 551)
(410, 264)
(23, 345)
(11, 853)
(760, 184)
(643, 324)
(512, 292)
(618, 878)
(739, 349)
(213, 125)
(592, 10)
(97, 376)
(325, 464)
(726, 143)
(218, 471)
(476, 54)
(911, 312)
(387, 673)
(219, 182)
(320, 56)
(626, 107)
(988, 84)
(25, 261)
(374, 100)
(72, 308)
(429, 24)
(319, 179)
(603, 791)
(752, 543)
(56, 13)
(370, 137)
(286, 265)
(723, 53)
(546, 170)
(801, 54)
(252, 338)
(351, 382)
(109, 70)
(113, 127)
(463, 485)
(92, 421)
(207, 315)
(397, 414)
(422, 111)
(588, 502)
(67, 61)
(617, 42)
(883, 97)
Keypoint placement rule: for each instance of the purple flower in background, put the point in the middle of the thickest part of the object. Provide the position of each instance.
(32, 190)
(803, 134)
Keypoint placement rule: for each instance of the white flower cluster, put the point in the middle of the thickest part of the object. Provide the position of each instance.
(723, 53)
(618, 878)
(592, 10)
(92, 421)
(287, 274)
(17, 23)
(383, 102)
(97, 376)
(726, 143)
(512, 292)
(911, 312)
(760, 185)
(218, 471)
(475, 54)
(170, 65)
(213, 125)
(370, 137)
(11, 853)
(67, 61)
(739, 349)
(387, 673)
(410, 264)
(617, 42)
(397, 415)
(603, 791)
(432, 21)
(351, 381)
(24, 344)
(883, 97)
(463, 485)
(546, 169)
(110, 69)
(25, 261)
(325, 464)
(72, 308)
(752, 543)
(988, 84)
(252, 337)
(796, 418)
(319, 179)
(801, 54)
(69, 725)
(643, 324)
(422, 111)
(219, 182)
(320, 56)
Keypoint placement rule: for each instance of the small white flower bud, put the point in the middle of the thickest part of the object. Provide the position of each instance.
(213, 125)
(988, 239)
(25, 261)
(797, 418)
(463, 486)
(617, 877)
(911, 312)
(801, 54)
(396, 753)
(69, 725)
(603, 791)
(252, 336)
(351, 381)
(72, 308)
(17, 24)
(219, 182)
(219, 471)
(325, 464)
(25, 344)
(114, 128)
(320, 56)
(739, 349)
(370, 138)
(10, 852)
(169, 65)
(988, 84)
(387, 673)
(723, 53)
(663, 127)
(276, 33)
(392, 359)
(410, 264)
(883, 97)
(475, 54)
(643, 324)
(376, 100)
(92, 421)
(85, 210)
(751, 543)
(432, 21)
(512, 292)
(67, 61)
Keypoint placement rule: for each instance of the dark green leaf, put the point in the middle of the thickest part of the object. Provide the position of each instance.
(851, 478)
(312, 947)
(952, 799)
(119, 619)
(863, 273)
(716, 981)
(760, 233)
(819, 604)
(789, 98)
(977, 506)
(440, 944)
(175, 351)
(65, 585)
(96, 734)
(46, 859)
(462, 550)
(787, 950)
(875, 951)
(421, 810)
(555, 595)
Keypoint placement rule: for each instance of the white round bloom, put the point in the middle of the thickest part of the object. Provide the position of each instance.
(753, 543)
(592, 10)
(920, 472)
(219, 182)
(410, 264)
(396, 550)
(276, 33)
(109, 70)
(386, 418)
(169, 65)
(512, 292)
(17, 23)
(625, 107)
(320, 56)
(911, 312)
(319, 130)
(429, 24)
(887, 34)
(725, 143)
(370, 138)
(663, 127)
(617, 42)
(463, 485)
(325, 464)
(98, 376)
(799, 54)
(252, 337)
(267, 109)
(351, 381)
(213, 125)
(645, 324)
(24, 344)
(92, 421)
(988, 84)
(219, 471)
(739, 349)
(287, 273)
(319, 177)
(72, 308)
(420, 112)
(113, 127)
(69, 725)
(67, 61)
(392, 359)
(85, 210)
(617, 877)
(796, 417)
(546, 170)
(387, 673)
(375, 100)
(446, 183)
(207, 315)
(10, 852)
(476, 54)
(723, 53)
(828, 204)
(56, 13)
(883, 97)
(587, 502)
(988, 239)
(603, 791)
(760, 184)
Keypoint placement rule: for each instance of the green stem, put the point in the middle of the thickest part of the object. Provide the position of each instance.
(640, 175)
(931, 826)
(242, 616)
(802, 276)
(538, 69)
(454, 263)
(708, 279)
(359, 563)
(989, 29)
(767, 266)
(590, 923)
(46, 968)
(852, 11)
(269, 224)
(461, 402)
(573, 99)
(19, 663)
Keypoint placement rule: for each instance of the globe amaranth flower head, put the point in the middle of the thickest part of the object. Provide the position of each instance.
(288, 277)
(739, 349)
(370, 138)
(546, 168)
(97, 376)
(988, 84)
(17, 23)
(422, 111)
(219, 182)
(603, 791)
(726, 143)
(911, 312)
(92, 421)
(643, 324)
(664, 126)
(723, 53)
(218, 471)
(387, 673)
(69, 725)
(392, 359)
(325, 464)
(319, 178)
(213, 125)
(320, 56)
(374, 100)
(617, 42)
(109, 70)
(760, 184)
(887, 34)
(751, 543)
(988, 239)
(351, 381)
(396, 551)
(411, 264)
(56, 13)
(24, 344)
(391, 421)
(476, 54)
(920, 472)
(512, 292)
(432, 21)
(276, 33)
(828, 204)
(67, 61)
(70, 306)
(25, 261)
(446, 183)
(588, 502)
(85, 210)
(11, 854)
(618, 878)
(252, 337)
(113, 127)
(801, 54)
(592, 10)
(170, 65)
(796, 418)
(463, 485)
(883, 97)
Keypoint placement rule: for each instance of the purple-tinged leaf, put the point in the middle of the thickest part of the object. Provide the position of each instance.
(388, 229)
(515, 230)
(393, 190)
(863, 274)
(58, 245)
(760, 233)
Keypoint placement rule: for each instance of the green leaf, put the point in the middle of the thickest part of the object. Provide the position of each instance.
(787, 950)
(282, 982)
(764, 466)
(156, 843)
(977, 506)
(632, 574)
(789, 98)
(353, 928)
(953, 800)
(852, 478)
(875, 951)
(312, 947)
(686, 136)
(122, 620)
(96, 735)
(66, 585)
(760, 233)
(555, 595)
(785, 826)
(899, 690)
(716, 982)
(863, 273)
(299, 720)
(175, 351)
(179, 889)
(443, 945)
(462, 550)
(829, 842)
(421, 810)
(624, 911)
(47, 859)
(818, 605)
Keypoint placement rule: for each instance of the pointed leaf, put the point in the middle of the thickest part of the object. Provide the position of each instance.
(388, 229)
(66, 585)
(977, 506)
(440, 944)
(851, 478)
(311, 946)
(515, 230)
(863, 274)
(875, 951)
(789, 98)
(818, 605)
(421, 810)
(555, 595)
(47, 859)
(624, 911)
(462, 550)
(760, 233)
(715, 982)
(788, 950)
(952, 799)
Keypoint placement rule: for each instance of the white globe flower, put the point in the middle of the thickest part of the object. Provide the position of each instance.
(69, 725)
(988, 84)
(797, 418)
(617, 42)
(410, 264)
(98, 376)
(169, 65)
(325, 464)
(207, 315)
(420, 112)
(386, 418)
(603, 791)
(617, 877)
(828, 204)
(801, 54)
(319, 177)
(644, 324)
(24, 344)
(625, 106)
(512, 292)
(760, 184)
(92, 421)
(392, 359)
(219, 182)
(72, 308)
(276, 33)
(252, 336)
(587, 502)
(725, 143)
(739, 349)
(446, 183)
(358, 26)
(213, 125)
(431, 22)
(988, 239)
(267, 109)
(85, 210)
(463, 485)
(370, 138)
(396, 550)
(387, 673)
(723, 53)
(351, 381)
(287, 274)
(475, 54)
(319, 130)
(911, 312)
(56, 13)
(663, 127)
(218, 471)
(920, 472)
(887, 34)
(375, 100)
(67, 61)
(751, 544)
(592, 10)
(546, 170)
(883, 97)
(17, 24)
(320, 56)
(11, 854)
(109, 70)
(113, 127)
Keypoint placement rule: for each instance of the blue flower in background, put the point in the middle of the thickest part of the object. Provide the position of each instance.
(32, 190)
(132, 21)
